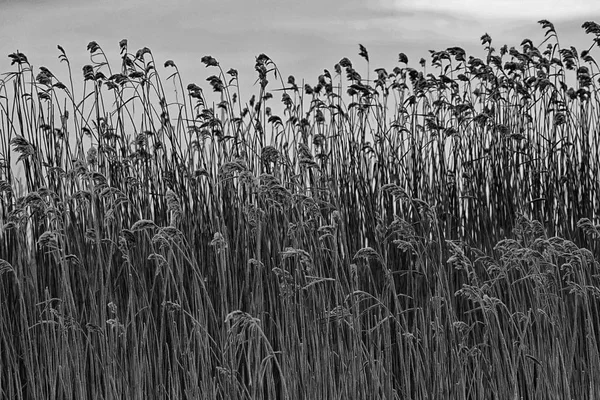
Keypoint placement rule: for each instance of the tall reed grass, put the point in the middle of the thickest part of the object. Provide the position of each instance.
(427, 233)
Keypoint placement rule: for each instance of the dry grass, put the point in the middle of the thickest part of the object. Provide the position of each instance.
(424, 234)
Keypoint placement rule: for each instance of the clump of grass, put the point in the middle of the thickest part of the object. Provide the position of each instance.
(428, 233)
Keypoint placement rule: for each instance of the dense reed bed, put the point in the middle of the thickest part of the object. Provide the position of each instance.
(416, 234)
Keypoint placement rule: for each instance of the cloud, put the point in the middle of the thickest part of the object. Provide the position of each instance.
(499, 9)
(303, 37)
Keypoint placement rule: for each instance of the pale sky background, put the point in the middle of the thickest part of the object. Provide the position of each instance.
(302, 36)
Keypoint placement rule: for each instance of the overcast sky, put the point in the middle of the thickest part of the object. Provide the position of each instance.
(302, 36)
